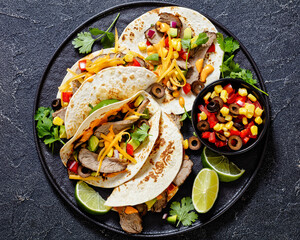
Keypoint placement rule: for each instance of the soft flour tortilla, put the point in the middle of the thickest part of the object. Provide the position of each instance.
(110, 83)
(159, 171)
(134, 33)
(141, 153)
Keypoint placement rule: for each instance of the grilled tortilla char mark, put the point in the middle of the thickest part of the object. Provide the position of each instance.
(168, 18)
(61, 113)
(155, 38)
(88, 159)
(160, 203)
(130, 223)
(184, 172)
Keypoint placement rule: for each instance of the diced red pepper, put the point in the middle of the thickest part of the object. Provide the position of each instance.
(72, 166)
(228, 88)
(234, 132)
(183, 54)
(212, 137)
(206, 102)
(220, 143)
(241, 101)
(171, 187)
(212, 48)
(244, 133)
(212, 120)
(148, 43)
(199, 117)
(136, 63)
(82, 65)
(245, 140)
(206, 135)
(167, 42)
(249, 125)
(129, 149)
(252, 136)
(66, 96)
(231, 98)
(257, 104)
(249, 101)
(203, 109)
(187, 88)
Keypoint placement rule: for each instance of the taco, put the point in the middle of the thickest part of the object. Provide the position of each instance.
(182, 50)
(157, 181)
(113, 143)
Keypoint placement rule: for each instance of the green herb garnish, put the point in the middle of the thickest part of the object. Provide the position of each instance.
(141, 133)
(202, 39)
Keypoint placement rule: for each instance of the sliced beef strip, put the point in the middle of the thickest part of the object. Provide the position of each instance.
(168, 18)
(161, 203)
(142, 208)
(75, 85)
(130, 223)
(61, 113)
(88, 159)
(111, 55)
(176, 119)
(156, 37)
(183, 64)
(143, 106)
(184, 172)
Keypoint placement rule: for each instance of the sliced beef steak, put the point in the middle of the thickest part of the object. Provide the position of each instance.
(142, 208)
(61, 113)
(130, 223)
(184, 172)
(161, 203)
(155, 38)
(168, 18)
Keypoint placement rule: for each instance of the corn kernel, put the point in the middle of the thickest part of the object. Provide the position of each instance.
(250, 107)
(242, 111)
(185, 144)
(128, 57)
(224, 111)
(111, 152)
(203, 116)
(245, 121)
(65, 104)
(258, 112)
(217, 127)
(150, 49)
(251, 97)
(207, 96)
(178, 48)
(142, 46)
(229, 125)
(101, 143)
(243, 92)
(228, 118)
(222, 125)
(227, 134)
(58, 121)
(214, 94)
(254, 130)
(234, 129)
(193, 40)
(218, 88)
(249, 115)
(258, 120)
(120, 156)
(174, 43)
(164, 52)
(224, 95)
(175, 55)
(176, 94)
(225, 129)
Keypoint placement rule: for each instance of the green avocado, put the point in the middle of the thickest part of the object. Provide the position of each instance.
(139, 100)
(172, 219)
(150, 203)
(135, 144)
(173, 32)
(93, 143)
(153, 57)
(187, 33)
(103, 104)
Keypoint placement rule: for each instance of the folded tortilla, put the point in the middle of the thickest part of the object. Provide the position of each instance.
(141, 153)
(158, 172)
(134, 33)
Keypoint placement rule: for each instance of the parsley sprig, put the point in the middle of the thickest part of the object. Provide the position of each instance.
(85, 41)
(184, 211)
(230, 69)
(141, 133)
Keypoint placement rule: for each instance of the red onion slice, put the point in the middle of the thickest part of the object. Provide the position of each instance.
(173, 24)
(150, 33)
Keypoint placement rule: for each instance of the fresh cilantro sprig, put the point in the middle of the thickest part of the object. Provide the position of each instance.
(183, 211)
(230, 69)
(45, 127)
(141, 133)
(185, 115)
(85, 41)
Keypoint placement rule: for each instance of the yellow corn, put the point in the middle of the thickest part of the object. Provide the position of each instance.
(174, 43)
(120, 156)
(250, 107)
(163, 26)
(193, 40)
(227, 134)
(176, 93)
(224, 95)
(225, 129)
(229, 125)
(245, 121)
(217, 127)
(228, 118)
(208, 69)
(207, 96)
(164, 52)
(258, 112)
(218, 88)
(185, 144)
(242, 111)
(65, 104)
(249, 115)
(258, 120)
(199, 64)
(150, 50)
(175, 55)
(251, 97)
(178, 47)
(111, 152)
(234, 129)
(224, 111)
(254, 130)
(142, 46)
(203, 116)
(243, 92)
(58, 121)
(222, 125)
(128, 57)
(214, 94)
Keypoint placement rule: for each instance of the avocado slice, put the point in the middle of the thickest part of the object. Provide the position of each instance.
(147, 115)
(139, 100)
(103, 104)
(173, 32)
(187, 33)
(93, 143)
(150, 203)
(62, 132)
(134, 143)
(172, 219)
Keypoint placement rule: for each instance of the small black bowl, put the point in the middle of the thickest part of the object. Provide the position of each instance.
(236, 84)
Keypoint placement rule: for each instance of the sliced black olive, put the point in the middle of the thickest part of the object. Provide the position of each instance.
(203, 126)
(220, 118)
(235, 142)
(219, 100)
(142, 121)
(213, 106)
(238, 126)
(194, 143)
(234, 108)
(56, 104)
(83, 172)
(197, 86)
(157, 90)
(221, 137)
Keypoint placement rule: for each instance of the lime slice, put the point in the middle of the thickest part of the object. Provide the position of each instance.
(89, 199)
(226, 170)
(205, 190)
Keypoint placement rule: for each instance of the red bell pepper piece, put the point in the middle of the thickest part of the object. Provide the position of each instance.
(167, 42)
(187, 88)
(203, 109)
(228, 88)
(220, 143)
(245, 140)
(234, 132)
(257, 104)
(72, 166)
(250, 125)
(129, 149)
(206, 135)
(183, 54)
(198, 117)
(212, 120)
(231, 98)
(212, 48)
(252, 136)
(241, 101)
(136, 63)
(82, 65)
(66, 96)
(148, 43)
(244, 133)
(212, 137)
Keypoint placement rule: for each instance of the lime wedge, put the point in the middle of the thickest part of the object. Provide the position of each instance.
(89, 199)
(226, 170)
(205, 190)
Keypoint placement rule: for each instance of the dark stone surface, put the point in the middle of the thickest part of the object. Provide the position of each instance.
(30, 207)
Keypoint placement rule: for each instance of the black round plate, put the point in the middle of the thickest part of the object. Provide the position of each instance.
(64, 57)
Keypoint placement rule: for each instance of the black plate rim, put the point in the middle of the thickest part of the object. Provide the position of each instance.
(38, 147)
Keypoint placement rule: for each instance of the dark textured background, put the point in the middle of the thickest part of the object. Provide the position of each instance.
(30, 208)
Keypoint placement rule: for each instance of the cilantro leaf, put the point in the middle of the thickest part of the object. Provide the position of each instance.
(141, 133)
(228, 45)
(202, 39)
(84, 42)
(43, 112)
(185, 115)
(220, 40)
(108, 40)
(44, 127)
(186, 43)
(183, 211)
(96, 31)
